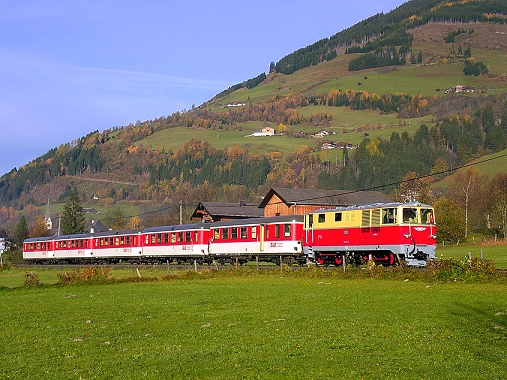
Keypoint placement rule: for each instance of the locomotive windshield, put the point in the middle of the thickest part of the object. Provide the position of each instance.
(416, 215)
(427, 216)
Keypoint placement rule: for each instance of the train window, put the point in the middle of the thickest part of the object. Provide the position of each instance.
(146, 239)
(389, 215)
(166, 238)
(153, 239)
(180, 237)
(310, 221)
(188, 237)
(196, 236)
(337, 216)
(277, 230)
(216, 234)
(173, 237)
(244, 232)
(322, 218)
(38, 245)
(409, 215)
(254, 232)
(127, 240)
(266, 232)
(234, 232)
(225, 233)
(427, 216)
(286, 230)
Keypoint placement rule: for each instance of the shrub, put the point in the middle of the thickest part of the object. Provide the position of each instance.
(470, 270)
(94, 275)
(31, 280)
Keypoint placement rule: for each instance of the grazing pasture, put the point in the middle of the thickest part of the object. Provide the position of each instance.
(253, 325)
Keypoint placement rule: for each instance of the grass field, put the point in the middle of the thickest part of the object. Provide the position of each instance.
(264, 326)
(495, 253)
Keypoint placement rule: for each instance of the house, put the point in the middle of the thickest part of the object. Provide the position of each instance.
(343, 145)
(266, 131)
(96, 226)
(327, 145)
(208, 212)
(235, 104)
(320, 135)
(280, 201)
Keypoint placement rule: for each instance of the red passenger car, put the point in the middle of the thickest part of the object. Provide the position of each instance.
(259, 238)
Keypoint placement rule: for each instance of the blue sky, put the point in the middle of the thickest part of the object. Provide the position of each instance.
(68, 68)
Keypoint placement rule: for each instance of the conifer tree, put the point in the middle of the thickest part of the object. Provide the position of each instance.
(73, 220)
(21, 231)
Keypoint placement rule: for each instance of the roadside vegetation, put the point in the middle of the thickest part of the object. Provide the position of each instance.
(248, 324)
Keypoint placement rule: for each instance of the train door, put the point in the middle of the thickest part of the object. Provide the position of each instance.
(308, 227)
(262, 235)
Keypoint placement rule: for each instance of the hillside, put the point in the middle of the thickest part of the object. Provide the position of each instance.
(397, 118)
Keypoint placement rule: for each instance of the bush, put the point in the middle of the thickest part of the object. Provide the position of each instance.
(469, 270)
(94, 275)
(31, 280)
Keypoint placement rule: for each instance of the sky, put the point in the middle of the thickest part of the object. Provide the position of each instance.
(68, 68)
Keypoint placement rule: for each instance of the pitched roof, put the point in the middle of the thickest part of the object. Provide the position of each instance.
(318, 197)
(220, 210)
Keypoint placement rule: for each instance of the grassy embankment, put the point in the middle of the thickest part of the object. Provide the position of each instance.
(259, 326)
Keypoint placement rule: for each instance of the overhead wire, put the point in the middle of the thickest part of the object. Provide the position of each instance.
(371, 188)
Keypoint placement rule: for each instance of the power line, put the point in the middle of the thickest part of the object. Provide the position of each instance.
(397, 183)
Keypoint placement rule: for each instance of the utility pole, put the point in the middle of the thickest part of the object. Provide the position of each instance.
(181, 212)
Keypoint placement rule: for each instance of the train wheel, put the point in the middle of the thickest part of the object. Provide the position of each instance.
(338, 260)
(391, 258)
(320, 260)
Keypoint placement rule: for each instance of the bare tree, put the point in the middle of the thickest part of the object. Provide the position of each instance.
(498, 191)
(467, 190)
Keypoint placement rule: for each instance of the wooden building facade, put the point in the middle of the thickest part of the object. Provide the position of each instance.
(280, 201)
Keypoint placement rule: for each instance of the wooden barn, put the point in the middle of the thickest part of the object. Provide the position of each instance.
(280, 201)
(207, 212)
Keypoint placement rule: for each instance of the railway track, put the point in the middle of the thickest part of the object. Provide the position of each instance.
(196, 267)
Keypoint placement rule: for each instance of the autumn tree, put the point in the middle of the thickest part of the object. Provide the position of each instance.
(413, 187)
(39, 228)
(73, 220)
(498, 192)
(116, 219)
(450, 221)
(134, 223)
(467, 190)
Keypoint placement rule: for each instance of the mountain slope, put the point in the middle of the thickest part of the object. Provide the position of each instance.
(373, 102)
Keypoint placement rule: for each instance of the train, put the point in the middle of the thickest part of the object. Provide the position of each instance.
(384, 233)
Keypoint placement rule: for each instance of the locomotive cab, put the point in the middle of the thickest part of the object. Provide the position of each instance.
(385, 233)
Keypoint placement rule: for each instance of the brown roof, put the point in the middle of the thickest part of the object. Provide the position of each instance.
(224, 210)
(318, 197)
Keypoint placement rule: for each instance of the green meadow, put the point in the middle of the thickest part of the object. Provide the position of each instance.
(256, 326)
(496, 253)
